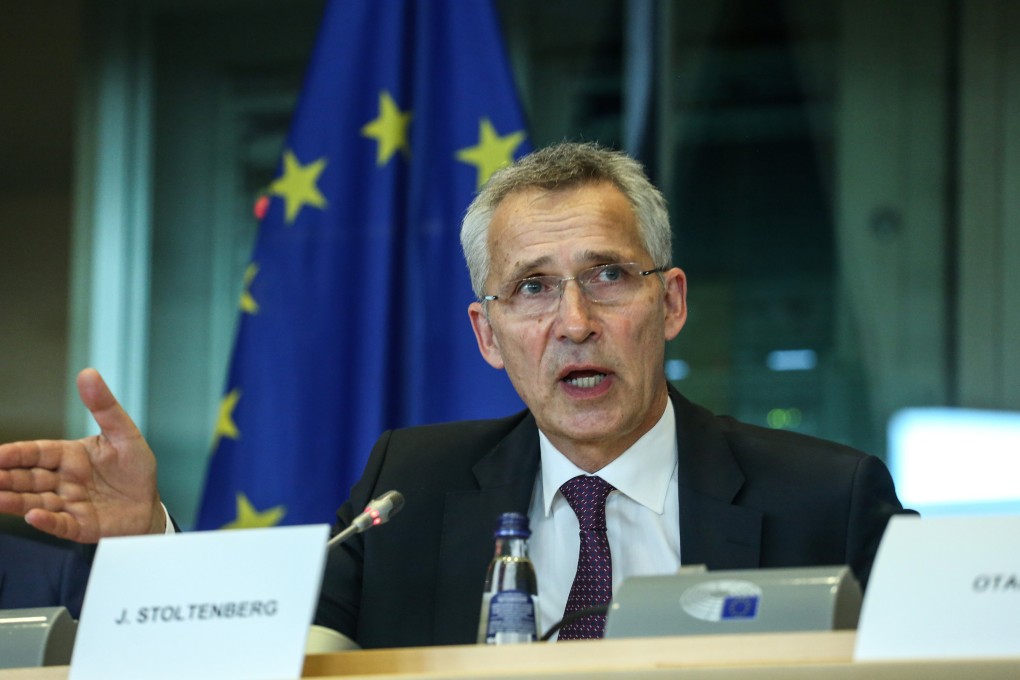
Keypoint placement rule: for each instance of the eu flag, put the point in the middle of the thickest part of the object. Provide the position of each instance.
(354, 311)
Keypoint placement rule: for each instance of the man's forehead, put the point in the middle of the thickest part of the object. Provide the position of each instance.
(536, 210)
(579, 258)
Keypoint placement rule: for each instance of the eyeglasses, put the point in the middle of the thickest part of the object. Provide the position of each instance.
(606, 284)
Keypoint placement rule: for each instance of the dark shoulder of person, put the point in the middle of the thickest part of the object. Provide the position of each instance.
(39, 570)
(773, 449)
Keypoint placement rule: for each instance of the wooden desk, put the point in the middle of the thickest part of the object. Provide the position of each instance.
(751, 657)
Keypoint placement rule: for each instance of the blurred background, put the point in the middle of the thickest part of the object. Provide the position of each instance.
(843, 177)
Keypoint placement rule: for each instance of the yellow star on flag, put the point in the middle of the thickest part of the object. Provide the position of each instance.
(225, 425)
(297, 185)
(249, 305)
(389, 129)
(250, 518)
(492, 151)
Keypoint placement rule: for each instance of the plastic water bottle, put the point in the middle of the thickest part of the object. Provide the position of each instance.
(510, 599)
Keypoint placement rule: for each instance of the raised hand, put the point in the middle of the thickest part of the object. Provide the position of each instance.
(86, 489)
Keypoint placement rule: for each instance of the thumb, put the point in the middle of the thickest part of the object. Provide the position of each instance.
(112, 419)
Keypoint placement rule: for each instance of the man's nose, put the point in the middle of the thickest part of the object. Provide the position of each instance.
(574, 316)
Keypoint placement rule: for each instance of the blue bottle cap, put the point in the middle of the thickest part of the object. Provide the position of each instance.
(512, 525)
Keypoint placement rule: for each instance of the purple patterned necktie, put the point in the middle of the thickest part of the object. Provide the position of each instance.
(593, 582)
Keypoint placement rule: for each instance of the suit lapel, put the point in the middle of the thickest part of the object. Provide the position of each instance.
(506, 479)
(713, 530)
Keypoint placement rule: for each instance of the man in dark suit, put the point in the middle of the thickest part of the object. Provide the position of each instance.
(569, 251)
(39, 570)
(749, 498)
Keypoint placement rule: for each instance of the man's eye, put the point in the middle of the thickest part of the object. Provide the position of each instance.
(531, 287)
(609, 274)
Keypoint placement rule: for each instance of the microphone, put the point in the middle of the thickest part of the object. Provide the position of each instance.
(377, 512)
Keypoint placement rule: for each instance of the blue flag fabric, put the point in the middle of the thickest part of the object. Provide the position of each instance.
(354, 311)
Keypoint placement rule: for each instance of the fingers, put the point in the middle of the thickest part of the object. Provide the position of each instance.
(30, 486)
(28, 480)
(23, 464)
(12, 503)
(19, 455)
(32, 465)
(112, 419)
(20, 502)
(58, 524)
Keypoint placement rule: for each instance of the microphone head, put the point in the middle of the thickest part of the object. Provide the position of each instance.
(384, 507)
(378, 511)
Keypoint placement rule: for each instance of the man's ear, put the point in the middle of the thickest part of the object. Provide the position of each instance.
(675, 307)
(488, 344)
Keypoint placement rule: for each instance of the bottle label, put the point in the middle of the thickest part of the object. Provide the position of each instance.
(511, 618)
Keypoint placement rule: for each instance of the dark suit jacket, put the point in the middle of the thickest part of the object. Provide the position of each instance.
(37, 570)
(749, 497)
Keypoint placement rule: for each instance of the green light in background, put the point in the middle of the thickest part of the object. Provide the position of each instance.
(784, 418)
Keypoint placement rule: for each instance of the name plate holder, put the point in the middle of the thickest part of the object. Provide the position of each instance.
(699, 602)
(213, 604)
(37, 636)
(943, 588)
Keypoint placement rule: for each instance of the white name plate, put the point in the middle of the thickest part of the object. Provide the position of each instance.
(211, 604)
(943, 588)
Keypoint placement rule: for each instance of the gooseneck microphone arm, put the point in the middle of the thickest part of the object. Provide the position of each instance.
(377, 512)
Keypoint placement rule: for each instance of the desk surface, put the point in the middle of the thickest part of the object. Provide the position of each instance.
(760, 656)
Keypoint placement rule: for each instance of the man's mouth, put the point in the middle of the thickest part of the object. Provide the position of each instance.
(584, 379)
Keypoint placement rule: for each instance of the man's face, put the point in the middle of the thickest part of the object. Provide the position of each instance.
(592, 374)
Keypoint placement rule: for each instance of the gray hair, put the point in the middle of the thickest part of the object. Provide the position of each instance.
(563, 166)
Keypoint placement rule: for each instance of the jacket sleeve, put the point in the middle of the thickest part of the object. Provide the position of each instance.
(340, 598)
(873, 502)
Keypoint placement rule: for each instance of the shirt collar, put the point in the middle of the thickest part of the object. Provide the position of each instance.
(642, 472)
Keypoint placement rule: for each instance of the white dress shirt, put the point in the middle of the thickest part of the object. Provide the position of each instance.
(642, 516)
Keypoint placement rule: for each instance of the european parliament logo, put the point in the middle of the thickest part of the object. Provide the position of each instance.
(740, 607)
(722, 600)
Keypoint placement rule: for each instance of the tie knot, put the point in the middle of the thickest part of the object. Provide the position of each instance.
(587, 498)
